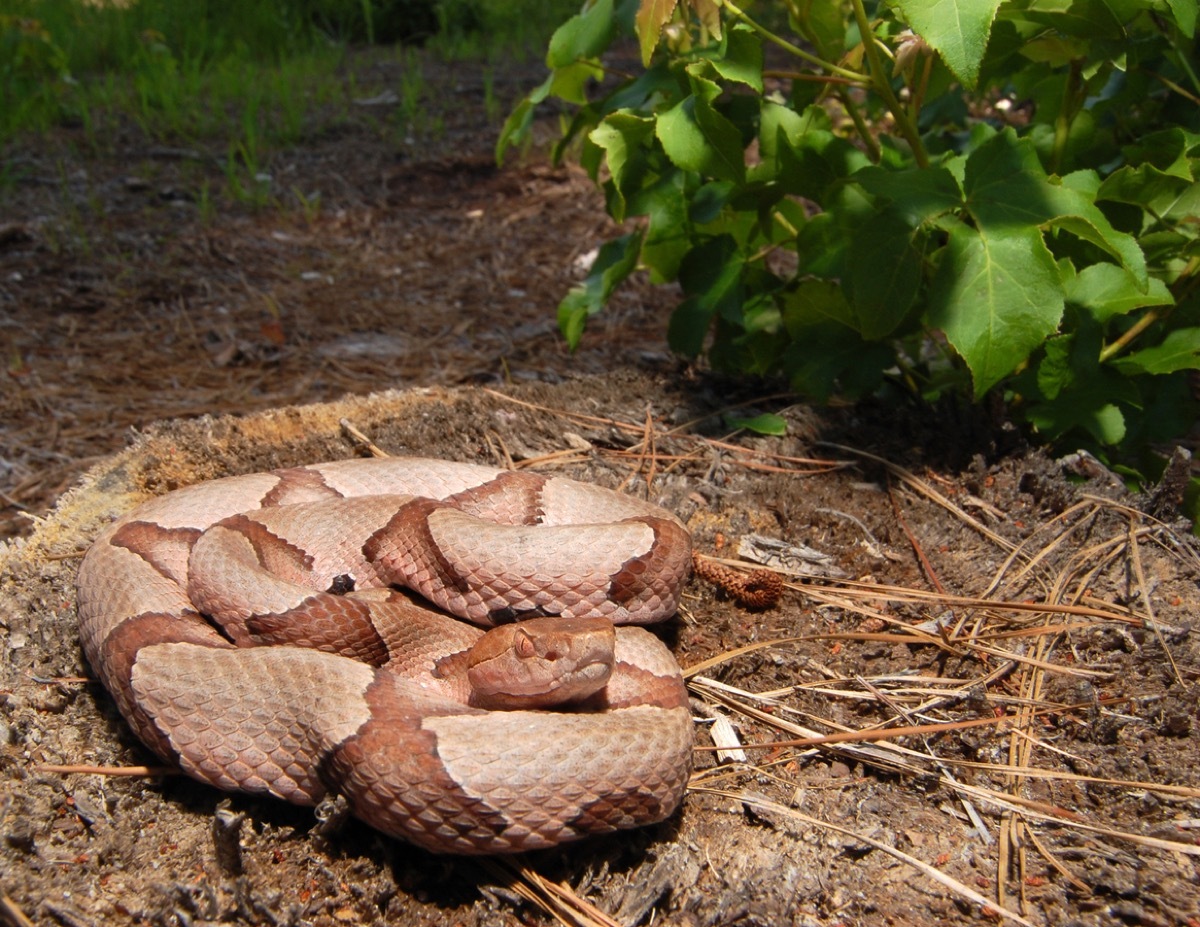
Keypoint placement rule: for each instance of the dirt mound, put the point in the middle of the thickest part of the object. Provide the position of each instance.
(1046, 627)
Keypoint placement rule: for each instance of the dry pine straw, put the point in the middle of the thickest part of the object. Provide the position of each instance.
(1020, 639)
(1017, 630)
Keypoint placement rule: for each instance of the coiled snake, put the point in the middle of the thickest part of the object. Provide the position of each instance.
(250, 631)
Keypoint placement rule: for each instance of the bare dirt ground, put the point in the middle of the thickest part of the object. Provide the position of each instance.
(1032, 609)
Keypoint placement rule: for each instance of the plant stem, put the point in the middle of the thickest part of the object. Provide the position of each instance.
(883, 86)
(795, 50)
(812, 78)
(840, 75)
(1072, 101)
(1151, 316)
(1180, 289)
(918, 92)
(860, 125)
(1182, 91)
(1182, 56)
(1187, 282)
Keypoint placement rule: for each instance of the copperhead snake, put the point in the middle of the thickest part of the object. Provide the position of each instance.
(250, 631)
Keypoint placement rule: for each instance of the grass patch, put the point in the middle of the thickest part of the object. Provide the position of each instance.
(185, 70)
(483, 30)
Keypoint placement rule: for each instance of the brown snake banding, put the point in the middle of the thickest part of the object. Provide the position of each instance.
(251, 631)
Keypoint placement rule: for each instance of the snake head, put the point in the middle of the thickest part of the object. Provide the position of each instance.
(541, 663)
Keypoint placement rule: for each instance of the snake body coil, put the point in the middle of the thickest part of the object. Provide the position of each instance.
(249, 631)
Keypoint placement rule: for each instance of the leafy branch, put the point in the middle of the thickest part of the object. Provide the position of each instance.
(882, 85)
(969, 196)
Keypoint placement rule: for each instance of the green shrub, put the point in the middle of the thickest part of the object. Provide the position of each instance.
(982, 196)
(33, 70)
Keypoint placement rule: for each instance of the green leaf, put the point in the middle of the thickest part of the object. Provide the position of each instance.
(710, 200)
(918, 195)
(827, 353)
(615, 261)
(652, 15)
(1007, 189)
(885, 272)
(1160, 175)
(712, 271)
(768, 423)
(1106, 290)
(584, 35)
(1144, 185)
(1091, 411)
(1090, 224)
(1166, 150)
(801, 152)
(1089, 19)
(1055, 49)
(516, 127)
(1186, 206)
(1055, 371)
(824, 24)
(788, 217)
(958, 29)
(1184, 12)
(622, 136)
(759, 315)
(743, 58)
(1074, 201)
(1180, 350)
(817, 303)
(776, 125)
(570, 82)
(1005, 185)
(645, 92)
(698, 138)
(997, 296)
(1074, 392)
(822, 246)
(711, 275)
(746, 337)
(668, 235)
(688, 327)
(704, 79)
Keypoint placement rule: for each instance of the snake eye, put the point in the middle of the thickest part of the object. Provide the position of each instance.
(523, 645)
